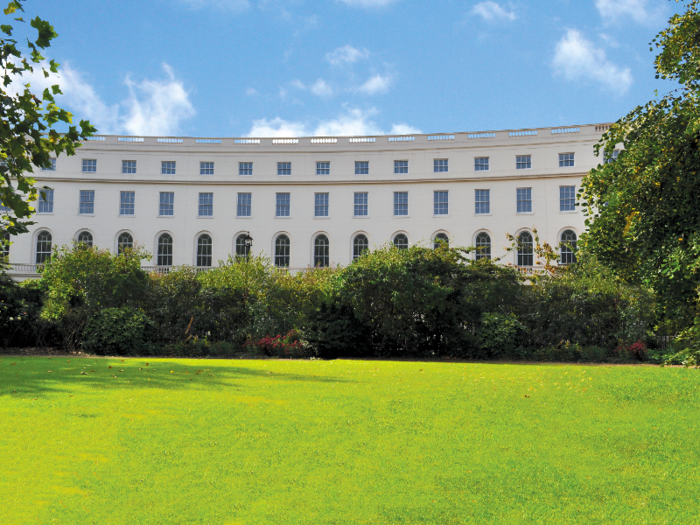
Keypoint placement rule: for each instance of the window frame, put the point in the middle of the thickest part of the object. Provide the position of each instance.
(47, 245)
(163, 258)
(321, 205)
(567, 200)
(325, 254)
(399, 167)
(438, 166)
(281, 206)
(362, 170)
(524, 254)
(356, 249)
(170, 205)
(480, 252)
(165, 167)
(122, 245)
(567, 160)
(43, 203)
(323, 167)
(204, 257)
(518, 200)
(206, 167)
(523, 164)
(362, 206)
(205, 203)
(479, 205)
(89, 166)
(127, 168)
(282, 260)
(282, 167)
(91, 203)
(243, 167)
(125, 205)
(245, 206)
(440, 208)
(398, 203)
(482, 166)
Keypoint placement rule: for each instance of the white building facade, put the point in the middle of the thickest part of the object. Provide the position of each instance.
(312, 201)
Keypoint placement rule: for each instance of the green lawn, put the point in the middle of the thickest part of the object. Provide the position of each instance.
(108, 441)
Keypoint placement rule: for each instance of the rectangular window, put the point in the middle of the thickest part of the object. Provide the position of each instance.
(323, 168)
(481, 164)
(361, 204)
(400, 166)
(53, 165)
(320, 205)
(361, 167)
(439, 165)
(245, 168)
(567, 198)
(524, 196)
(45, 201)
(87, 202)
(206, 204)
(243, 209)
(89, 165)
(126, 202)
(400, 203)
(440, 203)
(128, 166)
(167, 168)
(206, 168)
(284, 168)
(523, 162)
(482, 201)
(167, 203)
(613, 157)
(282, 207)
(566, 160)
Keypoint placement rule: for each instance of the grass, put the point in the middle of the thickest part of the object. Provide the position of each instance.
(111, 441)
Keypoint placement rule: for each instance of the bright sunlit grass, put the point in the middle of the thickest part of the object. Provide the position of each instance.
(108, 441)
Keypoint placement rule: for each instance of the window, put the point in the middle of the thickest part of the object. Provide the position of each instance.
(566, 160)
(85, 238)
(284, 168)
(360, 208)
(483, 246)
(568, 247)
(439, 165)
(241, 248)
(124, 242)
(361, 167)
(244, 206)
(282, 247)
(167, 203)
(43, 247)
(282, 207)
(245, 168)
(206, 204)
(525, 249)
(167, 168)
(323, 168)
(441, 239)
(400, 166)
(45, 201)
(400, 203)
(481, 164)
(613, 157)
(89, 165)
(5, 246)
(206, 168)
(128, 166)
(165, 250)
(524, 200)
(401, 241)
(320, 205)
(126, 202)
(482, 201)
(440, 204)
(359, 245)
(567, 198)
(5, 209)
(87, 202)
(53, 165)
(523, 162)
(204, 249)
(321, 252)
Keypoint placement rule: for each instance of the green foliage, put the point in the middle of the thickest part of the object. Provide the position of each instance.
(333, 331)
(500, 335)
(118, 331)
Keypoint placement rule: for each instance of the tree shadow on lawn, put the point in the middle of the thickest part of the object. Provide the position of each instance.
(35, 376)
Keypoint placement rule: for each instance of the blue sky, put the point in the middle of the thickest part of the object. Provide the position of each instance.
(223, 68)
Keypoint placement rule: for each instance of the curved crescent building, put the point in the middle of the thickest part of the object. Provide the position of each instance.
(315, 201)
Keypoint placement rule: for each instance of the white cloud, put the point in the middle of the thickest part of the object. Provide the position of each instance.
(355, 122)
(251, 92)
(298, 84)
(232, 5)
(578, 59)
(368, 3)
(346, 55)
(321, 88)
(375, 85)
(636, 9)
(492, 12)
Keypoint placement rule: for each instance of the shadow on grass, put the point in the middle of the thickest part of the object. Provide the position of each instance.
(35, 376)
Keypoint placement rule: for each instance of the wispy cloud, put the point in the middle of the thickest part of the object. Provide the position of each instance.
(368, 3)
(492, 12)
(576, 58)
(346, 55)
(637, 10)
(376, 85)
(321, 88)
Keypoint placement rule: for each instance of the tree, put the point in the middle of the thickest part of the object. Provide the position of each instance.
(27, 137)
(642, 203)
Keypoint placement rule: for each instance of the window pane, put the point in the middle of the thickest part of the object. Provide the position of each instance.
(53, 165)
(245, 168)
(523, 162)
(126, 202)
(206, 168)
(206, 204)
(43, 247)
(204, 251)
(362, 168)
(85, 238)
(165, 250)
(125, 241)
(359, 245)
(566, 160)
(400, 166)
(567, 198)
(241, 248)
(87, 202)
(360, 205)
(525, 250)
(481, 164)
(482, 201)
(282, 206)
(167, 168)
(128, 166)
(282, 248)
(401, 203)
(89, 165)
(284, 168)
(167, 203)
(568, 247)
(321, 252)
(441, 239)
(321, 205)
(401, 241)
(45, 201)
(323, 168)
(483, 246)
(244, 207)
(524, 200)
(439, 165)
(440, 204)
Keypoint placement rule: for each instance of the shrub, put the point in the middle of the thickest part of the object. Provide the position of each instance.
(288, 346)
(333, 331)
(118, 331)
(500, 335)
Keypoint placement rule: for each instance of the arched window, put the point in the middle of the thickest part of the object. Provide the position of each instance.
(204, 249)
(5, 246)
(124, 242)
(85, 238)
(241, 248)
(359, 245)
(282, 245)
(165, 250)
(568, 247)
(322, 252)
(483, 246)
(401, 241)
(441, 239)
(525, 249)
(43, 247)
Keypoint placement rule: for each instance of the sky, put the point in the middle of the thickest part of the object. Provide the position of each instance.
(273, 68)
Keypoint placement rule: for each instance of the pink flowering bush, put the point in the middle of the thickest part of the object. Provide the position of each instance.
(288, 346)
